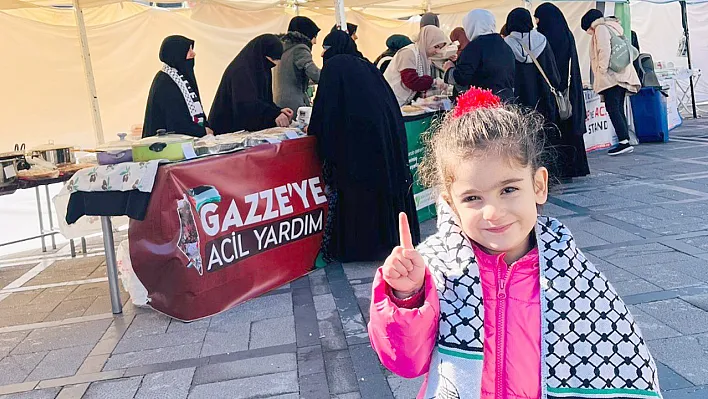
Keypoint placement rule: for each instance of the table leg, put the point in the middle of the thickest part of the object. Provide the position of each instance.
(73, 248)
(51, 222)
(111, 265)
(83, 245)
(41, 219)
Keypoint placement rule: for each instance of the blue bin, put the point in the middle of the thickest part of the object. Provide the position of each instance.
(649, 111)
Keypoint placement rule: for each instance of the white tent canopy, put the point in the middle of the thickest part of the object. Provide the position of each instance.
(45, 85)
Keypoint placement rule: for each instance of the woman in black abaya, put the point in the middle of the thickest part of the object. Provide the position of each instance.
(572, 158)
(362, 142)
(244, 99)
(173, 103)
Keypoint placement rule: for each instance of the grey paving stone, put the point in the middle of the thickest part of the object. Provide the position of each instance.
(699, 301)
(670, 380)
(114, 389)
(245, 368)
(374, 387)
(314, 386)
(352, 395)
(324, 304)
(632, 251)
(331, 333)
(50, 393)
(404, 388)
(226, 338)
(15, 368)
(687, 356)
(306, 329)
(153, 356)
(261, 308)
(177, 326)
(60, 363)
(365, 360)
(665, 276)
(359, 270)
(585, 239)
(47, 339)
(310, 360)
(8, 341)
(650, 259)
(166, 385)
(634, 287)
(154, 341)
(688, 393)
(340, 372)
(319, 284)
(261, 386)
(679, 315)
(147, 324)
(652, 328)
(272, 332)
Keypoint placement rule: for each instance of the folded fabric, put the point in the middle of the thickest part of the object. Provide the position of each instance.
(111, 203)
(127, 176)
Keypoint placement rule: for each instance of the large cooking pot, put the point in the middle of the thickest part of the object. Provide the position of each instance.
(55, 154)
(8, 171)
(165, 145)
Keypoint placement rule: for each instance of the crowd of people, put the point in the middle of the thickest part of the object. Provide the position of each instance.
(356, 113)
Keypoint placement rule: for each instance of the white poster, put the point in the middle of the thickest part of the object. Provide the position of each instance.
(600, 133)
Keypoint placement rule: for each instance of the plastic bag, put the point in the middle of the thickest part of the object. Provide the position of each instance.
(131, 282)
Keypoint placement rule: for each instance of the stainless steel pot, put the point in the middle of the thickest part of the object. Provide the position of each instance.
(55, 154)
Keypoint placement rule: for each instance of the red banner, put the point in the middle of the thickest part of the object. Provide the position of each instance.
(225, 229)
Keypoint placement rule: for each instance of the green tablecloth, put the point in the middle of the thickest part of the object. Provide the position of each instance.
(424, 198)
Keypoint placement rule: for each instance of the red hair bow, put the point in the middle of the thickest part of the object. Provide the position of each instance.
(473, 99)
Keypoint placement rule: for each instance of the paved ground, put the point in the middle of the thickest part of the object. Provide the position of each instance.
(640, 218)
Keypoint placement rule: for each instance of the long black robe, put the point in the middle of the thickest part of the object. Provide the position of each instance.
(166, 107)
(244, 99)
(361, 139)
(571, 156)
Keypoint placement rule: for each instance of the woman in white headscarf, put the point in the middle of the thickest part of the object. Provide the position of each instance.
(486, 62)
(409, 73)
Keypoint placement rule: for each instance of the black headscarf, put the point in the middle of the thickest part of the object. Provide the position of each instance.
(519, 20)
(351, 28)
(590, 17)
(304, 25)
(339, 42)
(244, 99)
(428, 19)
(173, 52)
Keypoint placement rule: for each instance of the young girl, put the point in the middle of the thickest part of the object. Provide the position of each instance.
(500, 303)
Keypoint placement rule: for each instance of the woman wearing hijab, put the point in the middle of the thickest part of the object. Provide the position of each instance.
(530, 88)
(409, 73)
(487, 62)
(429, 19)
(361, 139)
(173, 103)
(612, 86)
(244, 99)
(351, 29)
(394, 43)
(572, 158)
(296, 69)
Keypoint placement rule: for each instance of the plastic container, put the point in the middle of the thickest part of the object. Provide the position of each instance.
(650, 120)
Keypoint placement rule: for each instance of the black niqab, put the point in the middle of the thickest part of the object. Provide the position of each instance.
(173, 52)
(304, 25)
(351, 28)
(339, 42)
(361, 138)
(519, 20)
(244, 99)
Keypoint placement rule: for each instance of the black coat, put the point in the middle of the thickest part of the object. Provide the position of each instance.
(361, 138)
(244, 99)
(166, 109)
(532, 91)
(487, 62)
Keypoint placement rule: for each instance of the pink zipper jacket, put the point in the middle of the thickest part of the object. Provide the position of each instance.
(403, 332)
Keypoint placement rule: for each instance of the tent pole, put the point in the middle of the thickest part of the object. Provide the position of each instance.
(88, 71)
(684, 20)
(340, 14)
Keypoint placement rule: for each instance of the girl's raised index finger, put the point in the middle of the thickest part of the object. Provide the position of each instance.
(405, 231)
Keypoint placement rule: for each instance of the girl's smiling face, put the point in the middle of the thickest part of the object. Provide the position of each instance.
(496, 201)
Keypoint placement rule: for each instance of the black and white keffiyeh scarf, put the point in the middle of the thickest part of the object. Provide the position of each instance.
(591, 345)
(190, 96)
